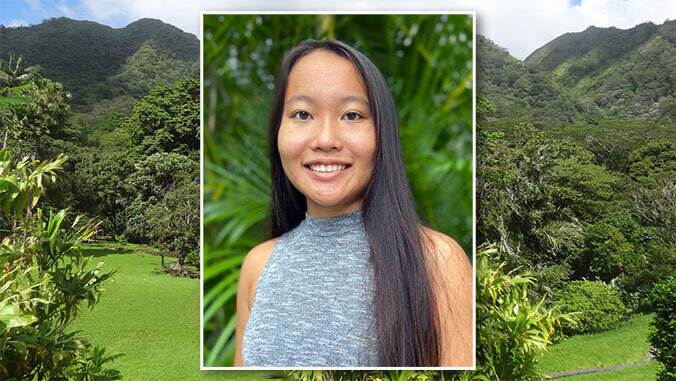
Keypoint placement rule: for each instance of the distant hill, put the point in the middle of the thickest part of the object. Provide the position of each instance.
(516, 90)
(597, 73)
(606, 44)
(96, 62)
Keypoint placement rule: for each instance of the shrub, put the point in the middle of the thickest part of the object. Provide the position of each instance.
(193, 259)
(44, 282)
(512, 331)
(663, 328)
(605, 255)
(599, 306)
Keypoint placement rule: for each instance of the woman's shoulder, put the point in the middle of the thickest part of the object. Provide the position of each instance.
(254, 263)
(454, 297)
(445, 250)
(257, 258)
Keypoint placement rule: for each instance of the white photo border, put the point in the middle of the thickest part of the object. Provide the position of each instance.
(440, 12)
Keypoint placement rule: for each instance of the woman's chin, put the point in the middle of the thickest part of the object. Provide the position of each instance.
(330, 201)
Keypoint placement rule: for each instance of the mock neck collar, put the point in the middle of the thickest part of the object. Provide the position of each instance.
(334, 225)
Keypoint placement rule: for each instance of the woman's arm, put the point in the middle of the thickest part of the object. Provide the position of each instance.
(454, 297)
(253, 265)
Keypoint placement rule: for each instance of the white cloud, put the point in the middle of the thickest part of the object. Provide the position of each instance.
(36, 6)
(67, 11)
(16, 23)
(519, 25)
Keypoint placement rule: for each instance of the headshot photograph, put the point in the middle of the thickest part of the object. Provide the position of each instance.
(337, 190)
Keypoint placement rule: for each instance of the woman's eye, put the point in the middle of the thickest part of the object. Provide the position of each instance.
(352, 116)
(301, 115)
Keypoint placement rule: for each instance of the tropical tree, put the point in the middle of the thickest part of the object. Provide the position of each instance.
(167, 119)
(32, 110)
(101, 178)
(14, 73)
(174, 222)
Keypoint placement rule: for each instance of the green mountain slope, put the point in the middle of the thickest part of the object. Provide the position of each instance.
(606, 43)
(96, 62)
(596, 74)
(518, 91)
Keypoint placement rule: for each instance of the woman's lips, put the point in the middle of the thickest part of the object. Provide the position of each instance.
(326, 172)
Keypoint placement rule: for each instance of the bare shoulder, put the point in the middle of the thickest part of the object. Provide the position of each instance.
(453, 286)
(447, 253)
(258, 257)
(253, 266)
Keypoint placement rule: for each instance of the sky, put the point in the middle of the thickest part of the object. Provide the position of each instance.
(521, 26)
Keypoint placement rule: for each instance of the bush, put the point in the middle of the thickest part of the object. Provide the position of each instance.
(663, 328)
(599, 306)
(605, 255)
(45, 281)
(512, 331)
(193, 259)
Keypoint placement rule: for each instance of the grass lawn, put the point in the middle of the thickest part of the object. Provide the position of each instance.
(638, 373)
(627, 344)
(153, 319)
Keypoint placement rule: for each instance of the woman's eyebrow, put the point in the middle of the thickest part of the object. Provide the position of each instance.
(344, 100)
(354, 98)
(300, 98)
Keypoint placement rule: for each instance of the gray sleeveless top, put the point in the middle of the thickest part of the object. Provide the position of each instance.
(313, 301)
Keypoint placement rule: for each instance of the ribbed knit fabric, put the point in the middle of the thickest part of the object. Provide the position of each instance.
(313, 300)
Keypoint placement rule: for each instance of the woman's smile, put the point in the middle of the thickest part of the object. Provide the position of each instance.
(327, 170)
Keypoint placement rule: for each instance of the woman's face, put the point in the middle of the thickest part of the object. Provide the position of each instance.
(327, 138)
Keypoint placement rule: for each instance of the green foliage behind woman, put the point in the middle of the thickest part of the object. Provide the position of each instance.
(427, 61)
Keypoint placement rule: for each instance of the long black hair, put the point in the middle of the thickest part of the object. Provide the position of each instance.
(406, 318)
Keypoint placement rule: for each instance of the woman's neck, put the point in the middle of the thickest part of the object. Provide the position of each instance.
(323, 211)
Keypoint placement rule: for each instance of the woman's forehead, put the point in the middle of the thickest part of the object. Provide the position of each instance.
(325, 74)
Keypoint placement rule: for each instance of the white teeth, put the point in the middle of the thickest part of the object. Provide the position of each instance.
(327, 168)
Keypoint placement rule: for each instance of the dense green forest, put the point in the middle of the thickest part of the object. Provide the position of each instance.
(576, 172)
(600, 73)
(101, 126)
(95, 62)
(132, 148)
(576, 175)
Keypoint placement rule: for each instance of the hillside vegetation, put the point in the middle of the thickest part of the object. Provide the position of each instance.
(576, 182)
(600, 73)
(96, 62)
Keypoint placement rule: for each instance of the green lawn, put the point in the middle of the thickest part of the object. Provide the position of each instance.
(639, 373)
(153, 319)
(626, 344)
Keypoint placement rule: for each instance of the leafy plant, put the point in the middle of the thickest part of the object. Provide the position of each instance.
(45, 281)
(599, 306)
(663, 327)
(511, 330)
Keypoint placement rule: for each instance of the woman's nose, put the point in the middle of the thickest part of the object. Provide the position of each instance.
(327, 136)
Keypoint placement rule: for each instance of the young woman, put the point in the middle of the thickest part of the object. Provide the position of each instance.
(351, 278)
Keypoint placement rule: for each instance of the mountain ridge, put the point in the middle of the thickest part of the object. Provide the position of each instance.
(84, 55)
(600, 73)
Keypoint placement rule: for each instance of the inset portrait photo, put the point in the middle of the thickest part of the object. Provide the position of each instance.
(338, 190)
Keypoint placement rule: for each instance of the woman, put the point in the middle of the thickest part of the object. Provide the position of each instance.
(351, 278)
